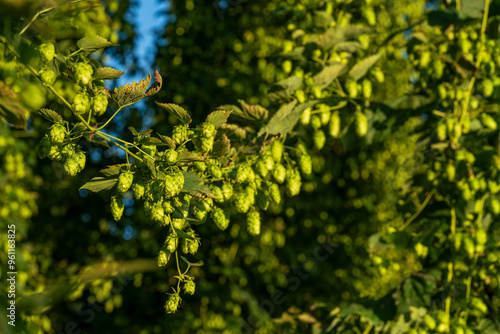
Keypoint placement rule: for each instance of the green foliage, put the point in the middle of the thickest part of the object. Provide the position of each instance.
(356, 190)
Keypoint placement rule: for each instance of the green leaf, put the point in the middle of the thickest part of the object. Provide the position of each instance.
(177, 111)
(80, 127)
(183, 234)
(416, 291)
(348, 46)
(251, 112)
(99, 183)
(151, 141)
(284, 88)
(194, 185)
(134, 131)
(360, 69)
(151, 165)
(50, 115)
(167, 140)
(218, 117)
(132, 93)
(221, 146)
(321, 19)
(328, 74)
(197, 264)
(472, 8)
(409, 102)
(11, 107)
(286, 118)
(186, 156)
(366, 314)
(94, 43)
(103, 73)
(99, 141)
(112, 170)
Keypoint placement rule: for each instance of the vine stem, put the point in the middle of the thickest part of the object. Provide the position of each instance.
(34, 18)
(478, 62)
(451, 264)
(103, 136)
(418, 212)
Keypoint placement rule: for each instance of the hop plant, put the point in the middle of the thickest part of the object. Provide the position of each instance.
(190, 246)
(261, 168)
(279, 173)
(172, 303)
(277, 151)
(125, 180)
(156, 212)
(189, 287)
(117, 207)
(227, 191)
(253, 222)
(81, 104)
(139, 189)
(55, 153)
(163, 258)
(319, 139)
(241, 202)
(170, 156)
(305, 162)
(171, 243)
(57, 134)
(83, 73)
(334, 125)
(293, 182)
(220, 218)
(168, 207)
(207, 130)
(215, 171)
(361, 124)
(47, 51)
(99, 104)
(44, 147)
(179, 134)
(274, 193)
(47, 76)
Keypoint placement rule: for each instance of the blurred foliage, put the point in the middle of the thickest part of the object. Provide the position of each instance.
(396, 230)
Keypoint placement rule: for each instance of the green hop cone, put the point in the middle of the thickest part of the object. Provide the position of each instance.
(57, 134)
(361, 124)
(200, 165)
(149, 149)
(80, 159)
(279, 173)
(156, 213)
(253, 222)
(44, 147)
(352, 88)
(99, 104)
(189, 287)
(117, 207)
(170, 186)
(207, 130)
(215, 171)
(163, 258)
(277, 151)
(179, 134)
(172, 303)
(262, 199)
(178, 223)
(171, 243)
(293, 182)
(168, 207)
(83, 73)
(488, 121)
(190, 246)
(68, 151)
(47, 51)
(227, 191)
(334, 125)
(319, 139)
(487, 87)
(305, 163)
(170, 156)
(71, 167)
(81, 104)
(199, 213)
(207, 144)
(261, 168)
(240, 173)
(125, 180)
(367, 88)
(55, 153)
(139, 189)
(316, 122)
(47, 76)
(217, 192)
(219, 218)
(241, 202)
(274, 193)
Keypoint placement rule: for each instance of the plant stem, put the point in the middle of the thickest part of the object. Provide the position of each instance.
(419, 210)
(34, 18)
(104, 136)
